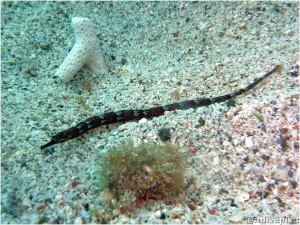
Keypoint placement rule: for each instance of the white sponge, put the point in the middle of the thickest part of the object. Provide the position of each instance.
(85, 51)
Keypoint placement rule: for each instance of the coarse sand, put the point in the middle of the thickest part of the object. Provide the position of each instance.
(242, 157)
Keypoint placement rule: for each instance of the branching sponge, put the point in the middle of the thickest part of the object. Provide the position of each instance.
(85, 51)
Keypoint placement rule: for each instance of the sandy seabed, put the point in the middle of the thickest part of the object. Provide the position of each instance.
(241, 166)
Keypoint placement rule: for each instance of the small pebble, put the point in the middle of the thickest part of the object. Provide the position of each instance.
(283, 144)
(93, 140)
(74, 184)
(78, 220)
(144, 120)
(280, 174)
(71, 196)
(257, 170)
(294, 74)
(248, 168)
(216, 160)
(192, 207)
(158, 214)
(26, 203)
(248, 142)
(265, 157)
(106, 197)
(6, 149)
(283, 130)
(201, 121)
(294, 134)
(243, 197)
(212, 211)
(85, 214)
(237, 219)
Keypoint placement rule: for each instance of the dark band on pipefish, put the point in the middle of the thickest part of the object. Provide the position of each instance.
(128, 115)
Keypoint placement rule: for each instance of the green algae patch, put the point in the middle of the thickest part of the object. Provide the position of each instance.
(81, 101)
(139, 174)
(259, 117)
